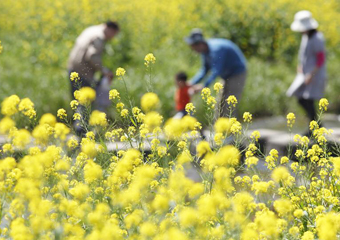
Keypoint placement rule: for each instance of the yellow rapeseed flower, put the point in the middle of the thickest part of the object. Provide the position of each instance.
(232, 101)
(247, 117)
(190, 108)
(283, 207)
(61, 131)
(298, 213)
(251, 161)
(323, 104)
(26, 106)
(9, 105)
(218, 87)
(42, 133)
(223, 125)
(205, 93)
(313, 125)
(76, 116)
(7, 147)
(85, 95)
(202, 148)
(290, 119)
(227, 156)
(74, 104)
(74, 76)
(149, 58)
(149, 101)
(153, 120)
(61, 113)
(48, 118)
(113, 94)
(255, 135)
(327, 226)
(120, 72)
(6, 124)
(72, 143)
(98, 118)
(161, 151)
(308, 235)
(280, 174)
(21, 138)
(211, 102)
(124, 113)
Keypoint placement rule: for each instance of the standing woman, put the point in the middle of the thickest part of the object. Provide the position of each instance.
(311, 78)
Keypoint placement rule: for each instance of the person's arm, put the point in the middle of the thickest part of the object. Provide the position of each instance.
(216, 70)
(201, 73)
(299, 68)
(94, 54)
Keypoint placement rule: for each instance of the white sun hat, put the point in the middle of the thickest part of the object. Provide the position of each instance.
(303, 21)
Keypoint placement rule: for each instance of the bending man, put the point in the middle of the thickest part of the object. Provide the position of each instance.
(86, 55)
(222, 58)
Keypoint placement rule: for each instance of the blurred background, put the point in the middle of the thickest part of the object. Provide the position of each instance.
(37, 37)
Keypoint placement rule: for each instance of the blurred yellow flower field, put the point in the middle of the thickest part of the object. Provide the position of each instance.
(141, 174)
(54, 185)
(61, 20)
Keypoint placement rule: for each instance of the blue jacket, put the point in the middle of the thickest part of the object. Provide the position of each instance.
(224, 60)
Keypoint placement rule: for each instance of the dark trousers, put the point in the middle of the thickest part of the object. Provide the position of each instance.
(309, 106)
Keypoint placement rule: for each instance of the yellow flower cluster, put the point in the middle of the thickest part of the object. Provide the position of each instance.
(48, 118)
(290, 119)
(120, 72)
(247, 117)
(232, 101)
(149, 101)
(12, 105)
(190, 108)
(74, 76)
(218, 87)
(61, 113)
(203, 148)
(208, 99)
(224, 125)
(152, 120)
(323, 104)
(74, 104)
(6, 124)
(85, 95)
(113, 94)
(26, 106)
(98, 118)
(9, 106)
(149, 58)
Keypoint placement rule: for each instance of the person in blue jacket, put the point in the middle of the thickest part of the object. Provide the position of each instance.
(222, 58)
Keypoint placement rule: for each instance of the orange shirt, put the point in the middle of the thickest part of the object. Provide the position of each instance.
(182, 98)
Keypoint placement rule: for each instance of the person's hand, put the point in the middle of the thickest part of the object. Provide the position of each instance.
(299, 69)
(308, 79)
(109, 75)
(197, 88)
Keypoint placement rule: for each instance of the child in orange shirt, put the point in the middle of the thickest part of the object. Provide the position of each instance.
(182, 96)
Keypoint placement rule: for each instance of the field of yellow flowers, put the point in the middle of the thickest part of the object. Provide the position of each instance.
(38, 37)
(54, 185)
